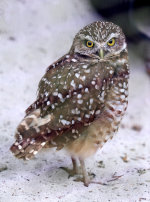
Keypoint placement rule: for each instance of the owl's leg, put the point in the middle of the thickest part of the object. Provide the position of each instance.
(86, 178)
(75, 170)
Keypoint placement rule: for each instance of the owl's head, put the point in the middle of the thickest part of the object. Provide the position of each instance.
(99, 40)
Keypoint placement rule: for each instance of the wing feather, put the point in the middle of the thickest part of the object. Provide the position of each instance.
(71, 95)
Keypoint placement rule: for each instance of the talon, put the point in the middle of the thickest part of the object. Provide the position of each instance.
(86, 184)
(92, 174)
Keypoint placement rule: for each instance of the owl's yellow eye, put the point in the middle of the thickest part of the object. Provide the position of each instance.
(89, 44)
(111, 42)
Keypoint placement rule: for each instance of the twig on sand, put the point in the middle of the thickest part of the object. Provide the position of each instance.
(114, 177)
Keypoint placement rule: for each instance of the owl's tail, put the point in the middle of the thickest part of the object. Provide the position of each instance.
(27, 148)
(30, 137)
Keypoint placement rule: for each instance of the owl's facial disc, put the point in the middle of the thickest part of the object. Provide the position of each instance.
(111, 47)
(100, 49)
(114, 45)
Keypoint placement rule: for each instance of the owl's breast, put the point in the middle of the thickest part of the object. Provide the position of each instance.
(107, 122)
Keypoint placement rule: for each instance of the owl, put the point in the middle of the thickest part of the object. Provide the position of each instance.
(81, 98)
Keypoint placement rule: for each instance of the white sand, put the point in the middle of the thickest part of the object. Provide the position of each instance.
(43, 31)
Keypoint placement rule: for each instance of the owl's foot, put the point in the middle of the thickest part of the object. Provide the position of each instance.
(71, 172)
(75, 171)
(87, 179)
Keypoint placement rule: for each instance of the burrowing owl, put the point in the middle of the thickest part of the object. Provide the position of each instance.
(81, 98)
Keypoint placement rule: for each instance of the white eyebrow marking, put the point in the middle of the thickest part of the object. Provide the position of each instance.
(112, 35)
(82, 36)
(123, 48)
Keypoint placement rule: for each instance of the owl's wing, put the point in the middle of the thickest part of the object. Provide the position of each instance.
(71, 96)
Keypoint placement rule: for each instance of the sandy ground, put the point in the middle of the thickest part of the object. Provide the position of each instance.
(32, 35)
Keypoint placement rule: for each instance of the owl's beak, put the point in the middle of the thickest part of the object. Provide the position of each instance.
(101, 53)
